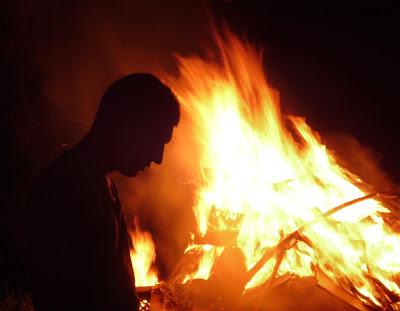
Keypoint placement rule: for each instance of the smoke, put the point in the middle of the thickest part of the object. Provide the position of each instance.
(360, 160)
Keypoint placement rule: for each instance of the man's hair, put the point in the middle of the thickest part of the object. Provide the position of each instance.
(140, 96)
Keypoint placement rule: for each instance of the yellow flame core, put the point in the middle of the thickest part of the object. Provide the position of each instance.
(264, 180)
(142, 257)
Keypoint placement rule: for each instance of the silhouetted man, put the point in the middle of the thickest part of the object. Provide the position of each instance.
(78, 245)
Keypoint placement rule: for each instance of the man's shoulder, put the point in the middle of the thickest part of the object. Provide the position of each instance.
(63, 172)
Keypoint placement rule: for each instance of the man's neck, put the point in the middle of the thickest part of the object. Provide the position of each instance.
(94, 154)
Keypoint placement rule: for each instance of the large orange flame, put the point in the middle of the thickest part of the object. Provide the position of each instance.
(265, 175)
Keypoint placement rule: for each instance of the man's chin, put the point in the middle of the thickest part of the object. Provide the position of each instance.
(129, 173)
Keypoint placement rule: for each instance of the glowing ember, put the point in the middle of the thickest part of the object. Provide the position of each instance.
(142, 257)
(265, 175)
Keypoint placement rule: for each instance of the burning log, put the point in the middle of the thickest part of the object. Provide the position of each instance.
(222, 290)
(290, 292)
(388, 298)
(218, 238)
(253, 294)
(324, 282)
(187, 265)
(228, 276)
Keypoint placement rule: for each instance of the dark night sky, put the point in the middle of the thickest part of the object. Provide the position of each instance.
(338, 66)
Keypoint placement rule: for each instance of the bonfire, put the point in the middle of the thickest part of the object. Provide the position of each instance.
(272, 202)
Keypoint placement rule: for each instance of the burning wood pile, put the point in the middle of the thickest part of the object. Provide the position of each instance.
(272, 204)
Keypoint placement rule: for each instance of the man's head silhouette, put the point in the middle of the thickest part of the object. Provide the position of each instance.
(136, 116)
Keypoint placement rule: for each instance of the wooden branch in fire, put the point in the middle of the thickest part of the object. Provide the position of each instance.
(225, 274)
(296, 235)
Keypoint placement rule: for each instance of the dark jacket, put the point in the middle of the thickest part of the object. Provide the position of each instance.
(77, 241)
